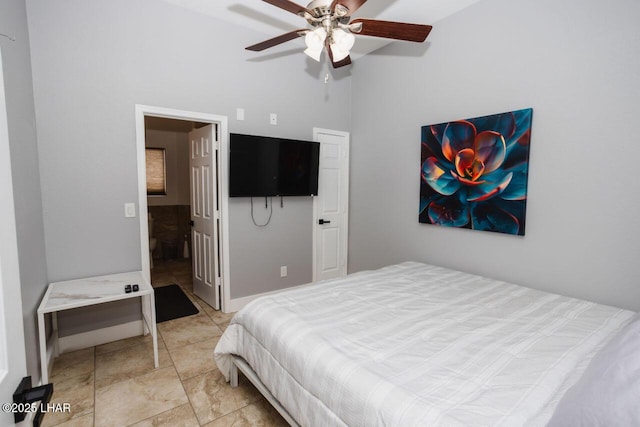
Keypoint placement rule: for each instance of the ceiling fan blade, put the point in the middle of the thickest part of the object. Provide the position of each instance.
(391, 30)
(341, 63)
(277, 40)
(289, 6)
(351, 5)
(345, 61)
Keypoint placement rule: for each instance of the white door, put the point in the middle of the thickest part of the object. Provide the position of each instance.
(331, 206)
(205, 213)
(12, 354)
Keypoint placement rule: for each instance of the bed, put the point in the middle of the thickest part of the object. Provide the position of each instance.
(414, 344)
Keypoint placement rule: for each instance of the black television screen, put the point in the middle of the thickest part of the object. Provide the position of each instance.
(265, 166)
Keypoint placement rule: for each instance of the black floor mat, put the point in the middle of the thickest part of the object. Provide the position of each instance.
(172, 303)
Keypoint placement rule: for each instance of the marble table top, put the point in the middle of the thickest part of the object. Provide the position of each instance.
(92, 290)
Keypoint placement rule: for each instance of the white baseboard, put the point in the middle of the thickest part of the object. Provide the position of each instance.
(236, 304)
(100, 336)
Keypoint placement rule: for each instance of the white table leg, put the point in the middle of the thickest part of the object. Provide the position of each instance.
(44, 365)
(54, 323)
(154, 329)
(145, 314)
(149, 315)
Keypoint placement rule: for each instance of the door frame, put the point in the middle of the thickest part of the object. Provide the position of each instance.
(345, 248)
(141, 111)
(13, 364)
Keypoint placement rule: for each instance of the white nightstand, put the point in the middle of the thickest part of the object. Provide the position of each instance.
(94, 290)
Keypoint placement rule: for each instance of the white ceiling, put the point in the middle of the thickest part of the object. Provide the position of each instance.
(272, 21)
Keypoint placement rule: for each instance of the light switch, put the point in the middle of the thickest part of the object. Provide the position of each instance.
(273, 119)
(130, 210)
(240, 113)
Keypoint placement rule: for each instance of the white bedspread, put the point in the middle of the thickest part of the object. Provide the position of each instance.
(418, 345)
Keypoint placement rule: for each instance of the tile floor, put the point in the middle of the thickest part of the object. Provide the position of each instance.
(115, 384)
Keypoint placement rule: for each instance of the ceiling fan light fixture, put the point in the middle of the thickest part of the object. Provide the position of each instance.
(341, 10)
(338, 54)
(341, 44)
(315, 42)
(314, 54)
(331, 27)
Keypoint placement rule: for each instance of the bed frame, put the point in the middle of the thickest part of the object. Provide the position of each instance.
(240, 364)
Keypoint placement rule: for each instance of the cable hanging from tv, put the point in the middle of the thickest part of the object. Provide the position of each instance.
(8, 36)
(266, 205)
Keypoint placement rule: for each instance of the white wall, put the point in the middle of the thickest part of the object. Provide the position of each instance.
(176, 145)
(94, 60)
(576, 64)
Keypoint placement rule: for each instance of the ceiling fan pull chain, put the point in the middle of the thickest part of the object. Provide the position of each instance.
(326, 69)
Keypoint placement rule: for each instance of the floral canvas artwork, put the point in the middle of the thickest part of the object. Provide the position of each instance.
(474, 172)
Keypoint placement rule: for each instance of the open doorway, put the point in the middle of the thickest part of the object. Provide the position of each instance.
(182, 208)
(168, 200)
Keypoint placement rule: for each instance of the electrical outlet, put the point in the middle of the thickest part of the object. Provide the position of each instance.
(283, 271)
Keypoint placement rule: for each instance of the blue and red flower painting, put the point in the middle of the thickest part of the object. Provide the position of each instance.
(474, 172)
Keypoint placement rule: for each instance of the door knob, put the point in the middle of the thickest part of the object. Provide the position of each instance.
(322, 221)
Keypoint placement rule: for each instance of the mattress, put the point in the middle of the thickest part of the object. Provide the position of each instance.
(415, 344)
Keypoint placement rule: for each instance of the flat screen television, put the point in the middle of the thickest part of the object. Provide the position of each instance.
(267, 166)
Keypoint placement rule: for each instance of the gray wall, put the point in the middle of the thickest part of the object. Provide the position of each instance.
(257, 257)
(24, 168)
(94, 60)
(576, 64)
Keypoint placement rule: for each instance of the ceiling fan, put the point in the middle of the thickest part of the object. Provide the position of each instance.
(333, 29)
